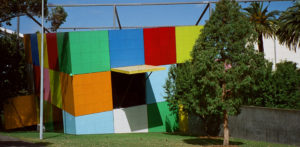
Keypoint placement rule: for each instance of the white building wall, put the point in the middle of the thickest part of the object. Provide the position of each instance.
(282, 52)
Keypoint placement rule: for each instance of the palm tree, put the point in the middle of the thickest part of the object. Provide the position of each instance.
(289, 27)
(264, 22)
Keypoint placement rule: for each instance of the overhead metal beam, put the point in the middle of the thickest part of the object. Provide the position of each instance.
(152, 4)
(125, 27)
(202, 14)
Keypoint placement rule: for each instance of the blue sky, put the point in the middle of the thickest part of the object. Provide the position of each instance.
(171, 15)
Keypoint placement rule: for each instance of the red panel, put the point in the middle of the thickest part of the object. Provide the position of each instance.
(160, 46)
(37, 78)
(52, 51)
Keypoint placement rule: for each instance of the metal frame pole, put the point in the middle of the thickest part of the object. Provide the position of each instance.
(202, 15)
(118, 19)
(114, 13)
(42, 75)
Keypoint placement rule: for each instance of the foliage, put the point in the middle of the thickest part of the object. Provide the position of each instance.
(289, 27)
(284, 88)
(57, 17)
(10, 9)
(224, 67)
(13, 8)
(264, 22)
(12, 65)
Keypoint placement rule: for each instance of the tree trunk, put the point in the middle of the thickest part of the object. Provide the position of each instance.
(226, 129)
(225, 118)
(260, 43)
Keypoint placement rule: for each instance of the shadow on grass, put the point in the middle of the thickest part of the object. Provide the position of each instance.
(22, 143)
(209, 141)
(204, 140)
(48, 136)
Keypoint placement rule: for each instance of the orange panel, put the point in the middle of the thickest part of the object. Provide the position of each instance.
(67, 92)
(92, 93)
(20, 112)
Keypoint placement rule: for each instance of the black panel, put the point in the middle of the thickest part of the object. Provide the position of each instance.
(128, 90)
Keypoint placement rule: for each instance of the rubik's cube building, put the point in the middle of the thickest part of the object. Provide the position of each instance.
(109, 81)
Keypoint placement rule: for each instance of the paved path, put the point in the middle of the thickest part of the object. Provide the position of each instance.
(7, 141)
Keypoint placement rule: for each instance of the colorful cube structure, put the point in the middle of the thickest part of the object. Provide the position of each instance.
(85, 96)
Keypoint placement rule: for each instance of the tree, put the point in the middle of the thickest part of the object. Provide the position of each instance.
(264, 22)
(223, 68)
(13, 79)
(57, 17)
(289, 26)
(10, 9)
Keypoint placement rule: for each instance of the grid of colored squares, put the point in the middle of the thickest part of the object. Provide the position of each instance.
(94, 100)
(98, 51)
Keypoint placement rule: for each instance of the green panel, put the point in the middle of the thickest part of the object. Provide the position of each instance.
(64, 55)
(48, 116)
(89, 51)
(161, 119)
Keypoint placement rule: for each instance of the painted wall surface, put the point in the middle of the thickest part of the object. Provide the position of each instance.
(128, 90)
(47, 93)
(27, 46)
(55, 86)
(186, 37)
(97, 123)
(154, 86)
(34, 49)
(69, 123)
(160, 46)
(89, 51)
(39, 37)
(132, 119)
(37, 78)
(126, 47)
(160, 118)
(52, 51)
(183, 120)
(67, 93)
(20, 112)
(64, 53)
(92, 93)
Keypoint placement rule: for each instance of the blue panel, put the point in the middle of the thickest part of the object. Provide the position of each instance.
(97, 123)
(69, 123)
(126, 48)
(34, 49)
(155, 91)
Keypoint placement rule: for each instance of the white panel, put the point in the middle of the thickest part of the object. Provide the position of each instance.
(282, 52)
(132, 119)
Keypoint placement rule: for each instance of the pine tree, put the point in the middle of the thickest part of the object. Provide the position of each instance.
(224, 69)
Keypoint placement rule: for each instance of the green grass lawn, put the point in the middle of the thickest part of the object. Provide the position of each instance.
(130, 140)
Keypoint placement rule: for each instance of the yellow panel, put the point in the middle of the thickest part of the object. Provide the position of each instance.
(39, 36)
(137, 69)
(186, 37)
(183, 121)
(55, 88)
